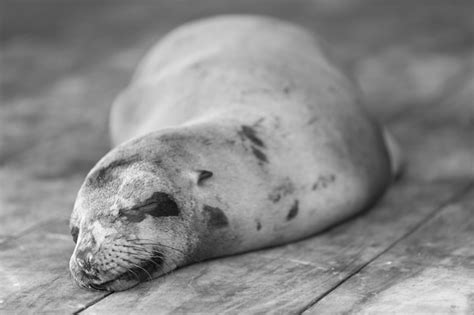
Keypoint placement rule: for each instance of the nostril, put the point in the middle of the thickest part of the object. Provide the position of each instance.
(89, 258)
(80, 262)
(85, 259)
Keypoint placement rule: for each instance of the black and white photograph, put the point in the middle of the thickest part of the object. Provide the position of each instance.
(236, 157)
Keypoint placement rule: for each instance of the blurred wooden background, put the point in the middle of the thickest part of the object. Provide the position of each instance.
(62, 63)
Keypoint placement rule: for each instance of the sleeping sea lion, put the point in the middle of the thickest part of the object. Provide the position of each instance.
(236, 133)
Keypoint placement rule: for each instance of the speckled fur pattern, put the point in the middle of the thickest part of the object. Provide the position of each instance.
(236, 133)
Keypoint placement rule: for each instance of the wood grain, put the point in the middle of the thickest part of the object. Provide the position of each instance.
(63, 63)
(431, 271)
(285, 279)
(34, 273)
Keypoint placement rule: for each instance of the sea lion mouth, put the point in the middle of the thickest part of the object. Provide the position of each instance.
(133, 276)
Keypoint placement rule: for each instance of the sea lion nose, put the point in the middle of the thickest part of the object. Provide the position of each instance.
(85, 260)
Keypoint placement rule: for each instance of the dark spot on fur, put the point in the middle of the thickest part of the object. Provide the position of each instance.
(158, 205)
(104, 174)
(282, 190)
(259, 154)
(216, 217)
(259, 226)
(293, 211)
(324, 181)
(286, 90)
(203, 175)
(251, 134)
(74, 233)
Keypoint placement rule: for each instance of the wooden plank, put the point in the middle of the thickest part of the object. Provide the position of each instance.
(429, 272)
(26, 201)
(34, 273)
(287, 278)
(53, 128)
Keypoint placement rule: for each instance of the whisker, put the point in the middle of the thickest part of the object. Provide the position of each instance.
(158, 265)
(138, 243)
(145, 253)
(138, 266)
(127, 269)
(155, 252)
(135, 246)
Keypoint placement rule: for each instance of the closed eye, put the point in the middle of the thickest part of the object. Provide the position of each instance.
(148, 207)
(158, 205)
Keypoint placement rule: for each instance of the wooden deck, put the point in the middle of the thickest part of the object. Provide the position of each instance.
(62, 63)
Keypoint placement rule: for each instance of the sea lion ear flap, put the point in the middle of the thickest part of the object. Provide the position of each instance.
(202, 175)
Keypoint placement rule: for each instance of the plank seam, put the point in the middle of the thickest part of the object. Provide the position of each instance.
(92, 303)
(462, 192)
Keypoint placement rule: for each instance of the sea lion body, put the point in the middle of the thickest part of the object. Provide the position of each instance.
(244, 134)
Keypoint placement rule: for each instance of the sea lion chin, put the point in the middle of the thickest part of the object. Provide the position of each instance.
(236, 133)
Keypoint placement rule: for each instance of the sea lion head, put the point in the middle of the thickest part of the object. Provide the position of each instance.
(133, 217)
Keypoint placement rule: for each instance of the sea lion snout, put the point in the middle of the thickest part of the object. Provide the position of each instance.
(85, 260)
(84, 264)
(115, 265)
(84, 269)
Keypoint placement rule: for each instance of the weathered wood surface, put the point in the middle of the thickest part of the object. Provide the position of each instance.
(431, 271)
(34, 273)
(289, 278)
(62, 63)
